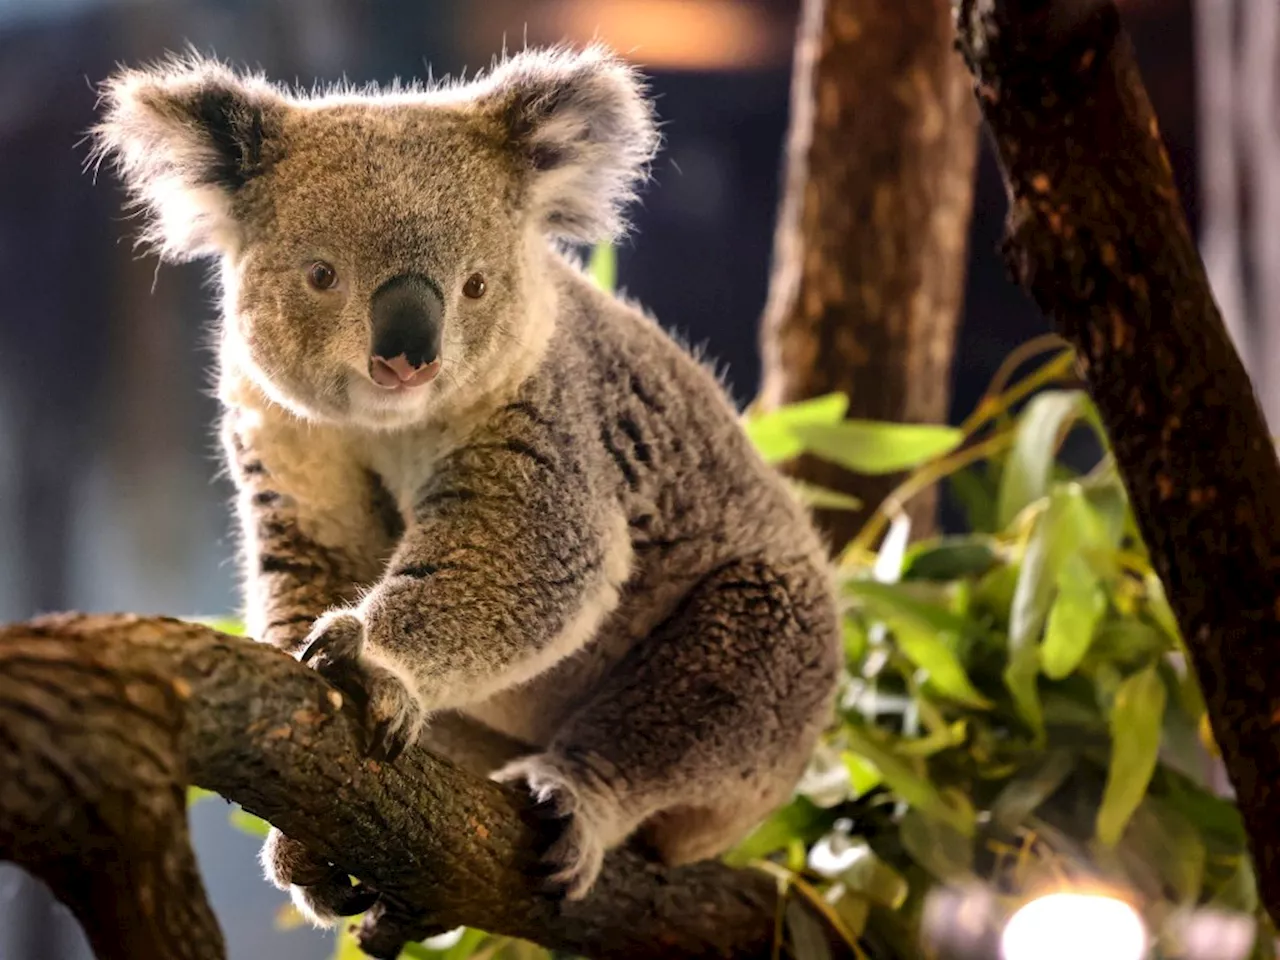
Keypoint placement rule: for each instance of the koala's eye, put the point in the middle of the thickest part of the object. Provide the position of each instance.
(474, 287)
(321, 276)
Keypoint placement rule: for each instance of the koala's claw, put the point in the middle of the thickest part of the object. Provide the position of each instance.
(392, 715)
(575, 854)
(321, 891)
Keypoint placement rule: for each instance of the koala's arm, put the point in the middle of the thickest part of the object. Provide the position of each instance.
(512, 559)
(313, 525)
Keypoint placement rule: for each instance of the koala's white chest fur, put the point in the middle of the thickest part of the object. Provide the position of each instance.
(404, 460)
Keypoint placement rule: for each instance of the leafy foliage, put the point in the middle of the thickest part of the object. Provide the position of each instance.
(1017, 713)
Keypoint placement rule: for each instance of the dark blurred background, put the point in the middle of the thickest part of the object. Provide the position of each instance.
(108, 495)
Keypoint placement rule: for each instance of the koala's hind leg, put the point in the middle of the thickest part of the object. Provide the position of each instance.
(702, 728)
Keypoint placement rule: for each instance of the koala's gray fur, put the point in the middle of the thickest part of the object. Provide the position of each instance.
(564, 546)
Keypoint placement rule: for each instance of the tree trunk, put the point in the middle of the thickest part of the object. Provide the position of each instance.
(1097, 236)
(105, 719)
(870, 249)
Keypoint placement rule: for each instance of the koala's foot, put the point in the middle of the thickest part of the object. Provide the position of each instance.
(321, 891)
(393, 717)
(585, 818)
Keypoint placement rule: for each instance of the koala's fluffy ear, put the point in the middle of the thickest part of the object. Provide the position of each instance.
(186, 136)
(583, 130)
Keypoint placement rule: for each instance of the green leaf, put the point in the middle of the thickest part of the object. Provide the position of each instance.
(807, 935)
(1029, 467)
(1158, 603)
(799, 818)
(1127, 643)
(346, 948)
(1239, 892)
(855, 640)
(930, 652)
(772, 431)
(906, 601)
(938, 847)
(976, 491)
(1024, 793)
(921, 629)
(863, 776)
(1137, 715)
(196, 794)
(951, 559)
(1076, 611)
(1067, 526)
(910, 785)
(246, 822)
(603, 267)
(1162, 842)
(231, 625)
(871, 447)
(820, 498)
(870, 877)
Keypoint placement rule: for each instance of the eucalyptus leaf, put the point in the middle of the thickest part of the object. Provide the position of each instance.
(799, 818)
(950, 559)
(772, 431)
(872, 878)
(821, 498)
(1161, 840)
(863, 776)
(1024, 793)
(1077, 608)
(852, 908)
(907, 781)
(1158, 603)
(806, 933)
(1068, 525)
(1137, 716)
(930, 652)
(1029, 466)
(1127, 642)
(603, 267)
(1239, 892)
(976, 491)
(910, 602)
(870, 447)
(937, 846)
(196, 794)
(246, 822)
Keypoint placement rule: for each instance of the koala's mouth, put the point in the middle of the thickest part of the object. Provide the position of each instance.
(398, 374)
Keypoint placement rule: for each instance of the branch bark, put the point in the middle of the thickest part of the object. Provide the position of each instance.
(105, 719)
(871, 243)
(1097, 236)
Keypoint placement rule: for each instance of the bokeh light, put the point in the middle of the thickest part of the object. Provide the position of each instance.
(1067, 926)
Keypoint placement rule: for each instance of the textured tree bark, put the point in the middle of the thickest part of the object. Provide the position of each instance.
(105, 719)
(870, 249)
(1097, 236)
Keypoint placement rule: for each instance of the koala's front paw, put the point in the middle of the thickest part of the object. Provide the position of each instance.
(583, 823)
(321, 891)
(393, 716)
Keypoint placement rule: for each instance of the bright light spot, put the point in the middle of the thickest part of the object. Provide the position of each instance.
(1068, 926)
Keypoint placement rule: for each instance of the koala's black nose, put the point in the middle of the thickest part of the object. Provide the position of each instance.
(408, 323)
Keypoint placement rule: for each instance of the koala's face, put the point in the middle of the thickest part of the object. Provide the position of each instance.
(380, 251)
(383, 261)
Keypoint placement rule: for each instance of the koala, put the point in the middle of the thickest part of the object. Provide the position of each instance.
(499, 507)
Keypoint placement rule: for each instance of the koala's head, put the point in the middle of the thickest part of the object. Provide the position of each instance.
(380, 249)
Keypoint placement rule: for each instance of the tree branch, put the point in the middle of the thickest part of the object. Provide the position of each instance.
(1097, 236)
(104, 720)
